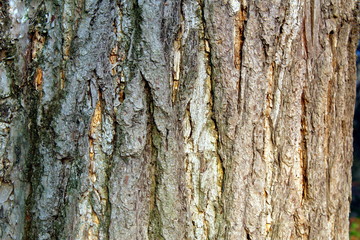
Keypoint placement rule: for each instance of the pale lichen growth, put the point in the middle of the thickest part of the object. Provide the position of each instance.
(235, 6)
(18, 14)
(4, 81)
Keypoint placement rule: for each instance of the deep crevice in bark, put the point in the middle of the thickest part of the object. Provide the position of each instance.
(303, 146)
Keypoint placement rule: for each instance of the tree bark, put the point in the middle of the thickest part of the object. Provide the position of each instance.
(192, 119)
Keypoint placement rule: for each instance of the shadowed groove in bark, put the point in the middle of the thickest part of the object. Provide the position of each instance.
(154, 228)
(303, 145)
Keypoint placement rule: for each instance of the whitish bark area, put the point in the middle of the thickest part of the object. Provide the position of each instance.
(192, 119)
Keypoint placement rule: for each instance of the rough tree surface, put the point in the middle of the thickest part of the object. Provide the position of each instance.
(169, 119)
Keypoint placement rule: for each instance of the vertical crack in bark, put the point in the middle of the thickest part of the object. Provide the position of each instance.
(304, 113)
(303, 146)
(312, 19)
(187, 130)
(239, 38)
(248, 235)
(303, 36)
(154, 225)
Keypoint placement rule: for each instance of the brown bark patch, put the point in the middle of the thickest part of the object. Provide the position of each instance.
(38, 79)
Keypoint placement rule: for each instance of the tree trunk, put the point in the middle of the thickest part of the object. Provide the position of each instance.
(192, 119)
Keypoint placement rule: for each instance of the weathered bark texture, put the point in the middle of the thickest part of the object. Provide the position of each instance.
(169, 119)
